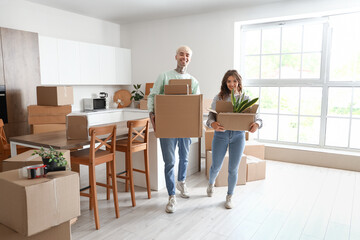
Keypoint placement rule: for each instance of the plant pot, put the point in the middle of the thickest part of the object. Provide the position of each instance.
(52, 166)
(136, 104)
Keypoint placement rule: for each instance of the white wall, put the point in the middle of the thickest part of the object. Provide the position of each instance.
(47, 21)
(211, 37)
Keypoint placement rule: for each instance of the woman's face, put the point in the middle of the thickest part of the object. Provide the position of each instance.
(232, 83)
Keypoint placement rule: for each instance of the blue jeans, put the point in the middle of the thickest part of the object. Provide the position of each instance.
(236, 142)
(168, 146)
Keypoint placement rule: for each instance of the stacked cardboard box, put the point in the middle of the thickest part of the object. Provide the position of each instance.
(53, 104)
(256, 169)
(30, 207)
(222, 178)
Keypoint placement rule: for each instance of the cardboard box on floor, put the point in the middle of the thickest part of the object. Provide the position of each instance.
(31, 206)
(209, 135)
(54, 95)
(234, 121)
(254, 148)
(222, 178)
(27, 159)
(59, 232)
(256, 169)
(41, 128)
(181, 82)
(178, 116)
(48, 114)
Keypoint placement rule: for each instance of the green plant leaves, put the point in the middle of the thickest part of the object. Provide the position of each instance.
(241, 104)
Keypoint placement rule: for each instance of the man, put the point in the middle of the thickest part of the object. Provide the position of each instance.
(168, 145)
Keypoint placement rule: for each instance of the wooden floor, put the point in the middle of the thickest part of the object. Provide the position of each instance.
(294, 202)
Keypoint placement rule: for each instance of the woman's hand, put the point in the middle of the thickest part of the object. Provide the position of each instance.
(253, 127)
(217, 127)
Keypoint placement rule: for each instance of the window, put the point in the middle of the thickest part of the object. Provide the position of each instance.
(307, 75)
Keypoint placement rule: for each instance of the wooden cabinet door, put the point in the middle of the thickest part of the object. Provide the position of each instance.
(22, 75)
(123, 66)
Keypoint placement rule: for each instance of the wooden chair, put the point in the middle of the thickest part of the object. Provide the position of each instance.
(5, 146)
(94, 156)
(136, 141)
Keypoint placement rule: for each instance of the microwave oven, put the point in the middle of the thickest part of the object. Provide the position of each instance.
(91, 104)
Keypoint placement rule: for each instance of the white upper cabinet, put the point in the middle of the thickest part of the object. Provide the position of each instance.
(65, 62)
(49, 68)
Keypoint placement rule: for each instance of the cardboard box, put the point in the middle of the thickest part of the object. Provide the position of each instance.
(143, 104)
(254, 148)
(256, 169)
(176, 90)
(54, 96)
(209, 135)
(27, 159)
(178, 116)
(59, 232)
(48, 114)
(181, 82)
(234, 121)
(31, 206)
(222, 178)
(41, 128)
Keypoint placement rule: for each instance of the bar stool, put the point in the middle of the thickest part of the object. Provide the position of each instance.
(138, 140)
(94, 156)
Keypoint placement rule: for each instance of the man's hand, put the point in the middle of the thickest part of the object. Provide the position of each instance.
(152, 119)
(217, 127)
(253, 127)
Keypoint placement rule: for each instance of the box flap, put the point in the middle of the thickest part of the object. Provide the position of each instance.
(224, 106)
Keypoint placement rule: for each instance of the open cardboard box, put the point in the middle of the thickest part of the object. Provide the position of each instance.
(234, 121)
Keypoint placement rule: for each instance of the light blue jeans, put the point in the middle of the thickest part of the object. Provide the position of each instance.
(168, 146)
(235, 140)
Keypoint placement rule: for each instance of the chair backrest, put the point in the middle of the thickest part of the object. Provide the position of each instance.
(103, 136)
(3, 140)
(141, 135)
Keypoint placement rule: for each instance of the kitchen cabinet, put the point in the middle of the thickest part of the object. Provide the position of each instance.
(65, 62)
(20, 57)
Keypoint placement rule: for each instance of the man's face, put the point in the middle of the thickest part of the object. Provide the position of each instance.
(183, 58)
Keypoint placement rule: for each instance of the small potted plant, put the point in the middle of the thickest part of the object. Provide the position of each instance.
(137, 95)
(53, 159)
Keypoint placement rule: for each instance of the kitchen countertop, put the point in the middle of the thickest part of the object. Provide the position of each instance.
(128, 109)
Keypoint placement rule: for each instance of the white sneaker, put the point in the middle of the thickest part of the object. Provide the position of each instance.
(210, 190)
(228, 203)
(181, 186)
(170, 207)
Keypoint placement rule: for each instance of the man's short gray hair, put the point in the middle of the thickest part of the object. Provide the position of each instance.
(186, 48)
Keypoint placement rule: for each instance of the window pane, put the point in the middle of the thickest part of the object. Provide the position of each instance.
(269, 100)
(271, 40)
(311, 64)
(311, 101)
(354, 135)
(345, 48)
(312, 37)
(289, 100)
(337, 130)
(252, 92)
(339, 101)
(270, 67)
(356, 103)
(252, 67)
(291, 39)
(288, 128)
(309, 131)
(252, 44)
(269, 129)
(290, 66)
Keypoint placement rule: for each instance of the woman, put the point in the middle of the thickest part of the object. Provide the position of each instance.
(223, 139)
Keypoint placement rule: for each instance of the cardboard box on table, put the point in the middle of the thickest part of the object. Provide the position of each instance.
(27, 159)
(222, 178)
(178, 116)
(41, 128)
(31, 206)
(256, 169)
(54, 95)
(59, 232)
(143, 104)
(48, 114)
(234, 121)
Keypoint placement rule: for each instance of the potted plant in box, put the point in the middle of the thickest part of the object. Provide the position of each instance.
(137, 95)
(53, 159)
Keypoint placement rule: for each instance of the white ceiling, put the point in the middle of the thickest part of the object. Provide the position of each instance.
(127, 11)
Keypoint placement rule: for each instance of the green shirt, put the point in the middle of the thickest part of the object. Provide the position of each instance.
(163, 80)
